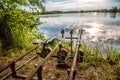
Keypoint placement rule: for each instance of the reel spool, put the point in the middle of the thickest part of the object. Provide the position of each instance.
(62, 54)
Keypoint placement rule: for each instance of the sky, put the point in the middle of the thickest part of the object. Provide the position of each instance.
(68, 5)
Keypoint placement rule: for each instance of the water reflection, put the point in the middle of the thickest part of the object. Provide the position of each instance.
(95, 13)
(93, 31)
(113, 15)
(99, 27)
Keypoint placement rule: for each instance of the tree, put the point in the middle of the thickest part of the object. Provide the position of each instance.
(16, 23)
(114, 9)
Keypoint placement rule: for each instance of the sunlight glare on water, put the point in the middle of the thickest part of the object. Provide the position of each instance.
(93, 30)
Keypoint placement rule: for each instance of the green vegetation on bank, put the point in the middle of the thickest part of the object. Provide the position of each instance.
(100, 66)
(113, 9)
(97, 65)
(17, 26)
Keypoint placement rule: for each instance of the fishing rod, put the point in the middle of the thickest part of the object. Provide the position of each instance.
(44, 60)
(19, 67)
(72, 70)
(27, 52)
(45, 49)
(59, 31)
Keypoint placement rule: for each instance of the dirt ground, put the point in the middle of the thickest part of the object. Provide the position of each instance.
(54, 71)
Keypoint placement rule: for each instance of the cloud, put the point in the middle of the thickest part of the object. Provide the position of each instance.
(65, 5)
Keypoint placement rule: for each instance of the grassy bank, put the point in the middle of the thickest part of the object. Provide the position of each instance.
(100, 67)
(95, 66)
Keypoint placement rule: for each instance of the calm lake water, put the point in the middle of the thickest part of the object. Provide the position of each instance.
(100, 28)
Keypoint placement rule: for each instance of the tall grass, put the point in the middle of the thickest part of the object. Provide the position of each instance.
(109, 63)
(18, 29)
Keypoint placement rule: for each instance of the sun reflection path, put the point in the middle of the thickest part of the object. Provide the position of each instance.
(93, 30)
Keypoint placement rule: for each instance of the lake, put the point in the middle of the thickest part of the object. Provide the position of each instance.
(100, 28)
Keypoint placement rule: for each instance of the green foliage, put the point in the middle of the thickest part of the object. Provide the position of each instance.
(117, 71)
(84, 65)
(17, 25)
(112, 56)
(114, 9)
(55, 42)
(95, 65)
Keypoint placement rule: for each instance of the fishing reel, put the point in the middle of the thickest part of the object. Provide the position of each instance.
(46, 49)
(61, 55)
(45, 52)
(80, 56)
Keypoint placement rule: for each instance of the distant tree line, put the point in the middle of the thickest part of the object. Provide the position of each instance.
(113, 9)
